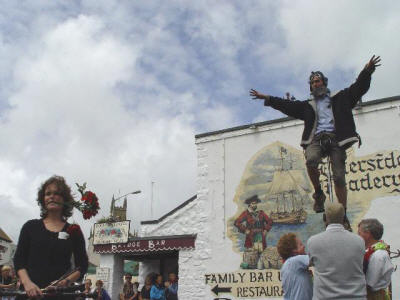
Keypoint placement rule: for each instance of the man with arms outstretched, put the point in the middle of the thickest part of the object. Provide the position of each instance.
(329, 127)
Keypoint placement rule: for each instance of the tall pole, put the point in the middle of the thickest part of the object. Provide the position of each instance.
(152, 198)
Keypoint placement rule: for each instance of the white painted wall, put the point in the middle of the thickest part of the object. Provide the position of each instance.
(222, 159)
(190, 219)
(115, 281)
(6, 257)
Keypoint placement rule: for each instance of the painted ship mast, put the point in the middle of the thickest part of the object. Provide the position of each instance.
(286, 189)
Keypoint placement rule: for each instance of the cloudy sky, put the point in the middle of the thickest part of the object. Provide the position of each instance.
(113, 92)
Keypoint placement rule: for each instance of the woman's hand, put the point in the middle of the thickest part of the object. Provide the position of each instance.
(64, 282)
(32, 290)
(7, 286)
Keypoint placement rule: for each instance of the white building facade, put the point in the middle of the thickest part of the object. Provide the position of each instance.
(265, 159)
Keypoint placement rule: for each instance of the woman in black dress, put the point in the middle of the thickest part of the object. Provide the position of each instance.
(46, 245)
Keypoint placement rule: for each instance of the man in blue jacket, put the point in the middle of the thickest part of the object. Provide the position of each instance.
(329, 127)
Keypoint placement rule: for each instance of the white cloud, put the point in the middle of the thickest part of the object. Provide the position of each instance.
(330, 36)
(67, 119)
(112, 93)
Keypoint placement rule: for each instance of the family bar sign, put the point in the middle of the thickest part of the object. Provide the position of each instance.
(246, 283)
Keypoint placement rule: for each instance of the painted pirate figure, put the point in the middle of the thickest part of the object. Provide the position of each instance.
(329, 127)
(254, 224)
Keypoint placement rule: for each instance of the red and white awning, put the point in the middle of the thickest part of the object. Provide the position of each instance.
(142, 245)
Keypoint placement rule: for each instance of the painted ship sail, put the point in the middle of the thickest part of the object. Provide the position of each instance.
(289, 191)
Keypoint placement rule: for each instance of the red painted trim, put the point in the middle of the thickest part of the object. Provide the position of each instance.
(150, 244)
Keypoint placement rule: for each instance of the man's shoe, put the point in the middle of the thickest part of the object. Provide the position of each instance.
(319, 200)
(346, 224)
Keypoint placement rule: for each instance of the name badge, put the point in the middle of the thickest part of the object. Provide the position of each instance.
(62, 235)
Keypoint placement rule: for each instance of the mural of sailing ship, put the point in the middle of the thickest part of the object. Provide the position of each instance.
(289, 190)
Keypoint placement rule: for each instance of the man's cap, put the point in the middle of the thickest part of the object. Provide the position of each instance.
(317, 74)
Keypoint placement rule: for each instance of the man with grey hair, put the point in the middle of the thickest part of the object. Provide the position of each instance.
(337, 257)
(378, 268)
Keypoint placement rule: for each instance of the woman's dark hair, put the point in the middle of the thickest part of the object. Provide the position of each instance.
(149, 278)
(65, 193)
(155, 277)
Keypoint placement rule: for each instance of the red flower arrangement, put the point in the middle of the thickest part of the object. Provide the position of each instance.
(381, 245)
(89, 204)
(73, 229)
(368, 253)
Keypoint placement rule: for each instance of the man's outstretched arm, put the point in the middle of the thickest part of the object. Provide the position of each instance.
(291, 108)
(362, 84)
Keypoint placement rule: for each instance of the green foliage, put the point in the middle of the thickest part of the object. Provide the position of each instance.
(109, 219)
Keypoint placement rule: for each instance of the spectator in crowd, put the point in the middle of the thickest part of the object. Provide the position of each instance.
(100, 292)
(88, 287)
(378, 268)
(337, 257)
(7, 280)
(129, 290)
(157, 291)
(296, 278)
(171, 287)
(145, 292)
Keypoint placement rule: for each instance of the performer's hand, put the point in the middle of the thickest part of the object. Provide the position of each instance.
(257, 95)
(373, 63)
(247, 231)
(32, 290)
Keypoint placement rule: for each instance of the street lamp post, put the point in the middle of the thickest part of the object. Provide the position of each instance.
(131, 193)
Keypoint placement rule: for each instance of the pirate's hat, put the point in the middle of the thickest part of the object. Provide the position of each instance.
(252, 199)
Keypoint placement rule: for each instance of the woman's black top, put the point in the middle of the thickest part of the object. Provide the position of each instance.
(46, 255)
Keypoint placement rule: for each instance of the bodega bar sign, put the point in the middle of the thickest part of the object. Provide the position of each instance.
(150, 244)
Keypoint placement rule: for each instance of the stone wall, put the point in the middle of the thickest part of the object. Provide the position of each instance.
(116, 265)
(194, 218)
(191, 269)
